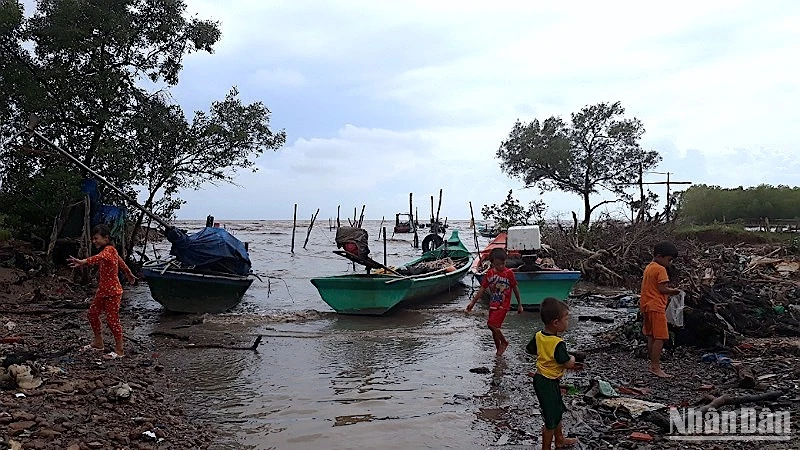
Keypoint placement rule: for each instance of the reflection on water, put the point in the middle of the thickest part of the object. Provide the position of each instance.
(321, 380)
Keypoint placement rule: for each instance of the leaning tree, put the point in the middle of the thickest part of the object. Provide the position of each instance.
(98, 74)
(598, 150)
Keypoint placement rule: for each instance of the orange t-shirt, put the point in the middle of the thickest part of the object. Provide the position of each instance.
(651, 299)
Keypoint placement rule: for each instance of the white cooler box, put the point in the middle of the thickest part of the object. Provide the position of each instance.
(525, 237)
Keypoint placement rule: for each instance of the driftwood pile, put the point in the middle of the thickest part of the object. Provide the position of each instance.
(733, 288)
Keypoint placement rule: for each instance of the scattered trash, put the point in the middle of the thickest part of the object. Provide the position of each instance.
(11, 339)
(119, 393)
(149, 434)
(19, 395)
(10, 325)
(483, 370)
(22, 376)
(599, 388)
(720, 359)
(636, 436)
(634, 405)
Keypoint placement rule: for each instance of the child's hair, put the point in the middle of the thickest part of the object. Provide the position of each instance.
(102, 230)
(498, 253)
(552, 309)
(665, 249)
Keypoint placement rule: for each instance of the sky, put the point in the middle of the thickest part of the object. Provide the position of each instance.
(382, 99)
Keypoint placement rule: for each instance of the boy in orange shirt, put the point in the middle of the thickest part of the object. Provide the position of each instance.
(653, 303)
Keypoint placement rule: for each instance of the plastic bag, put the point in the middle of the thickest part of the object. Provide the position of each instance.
(675, 309)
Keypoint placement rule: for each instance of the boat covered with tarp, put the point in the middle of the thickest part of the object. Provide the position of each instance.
(209, 272)
(376, 293)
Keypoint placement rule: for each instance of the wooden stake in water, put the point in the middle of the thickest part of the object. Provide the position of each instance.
(381, 227)
(313, 218)
(474, 228)
(338, 223)
(294, 225)
(384, 246)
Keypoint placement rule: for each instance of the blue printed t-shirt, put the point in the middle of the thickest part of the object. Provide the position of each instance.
(500, 284)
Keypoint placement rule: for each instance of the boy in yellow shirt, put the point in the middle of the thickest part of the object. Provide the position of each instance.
(552, 359)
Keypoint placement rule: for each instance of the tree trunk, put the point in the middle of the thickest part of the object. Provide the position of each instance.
(587, 211)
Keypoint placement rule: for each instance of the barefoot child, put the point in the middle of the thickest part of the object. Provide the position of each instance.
(653, 303)
(500, 282)
(552, 359)
(109, 290)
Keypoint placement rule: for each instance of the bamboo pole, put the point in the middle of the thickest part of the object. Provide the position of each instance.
(384, 246)
(438, 209)
(294, 225)
(313, 218)
(474, 228)
(338, 223)
(381, 227)
(361, 218)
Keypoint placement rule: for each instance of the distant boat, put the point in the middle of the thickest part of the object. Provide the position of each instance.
(376, 294)
(404, 225)
(487, 231)
(535, 283)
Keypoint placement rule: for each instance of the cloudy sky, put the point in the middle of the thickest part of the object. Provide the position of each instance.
(380, 99)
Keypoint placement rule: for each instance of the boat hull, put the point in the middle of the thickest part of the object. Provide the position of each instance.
(376, 294)
(534, 287)
(371, 295)
(187, 292)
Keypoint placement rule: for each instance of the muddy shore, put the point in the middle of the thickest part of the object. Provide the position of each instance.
(82, 403)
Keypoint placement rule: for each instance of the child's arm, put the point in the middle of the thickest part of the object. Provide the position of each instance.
(126, 270)
(563, 357)
(666, 290)
(519, 300)
(478, 295)
(91, 260)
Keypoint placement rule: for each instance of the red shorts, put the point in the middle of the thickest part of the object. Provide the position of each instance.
(655, 325)
(496, 317)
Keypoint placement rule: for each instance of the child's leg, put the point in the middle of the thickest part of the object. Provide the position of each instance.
(503, 342)
(97, 306)
(112, 318)
(561, 441)
(650, 350)
(547, 438)
(495, 338)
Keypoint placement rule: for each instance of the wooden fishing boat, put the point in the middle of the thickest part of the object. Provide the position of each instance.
(534, 285)
(376, 293)
(487, 231)
(186, 290)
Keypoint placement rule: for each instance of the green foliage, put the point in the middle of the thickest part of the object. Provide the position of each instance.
(84, 67)
(598, 149)
(702, 204)
(511, 212)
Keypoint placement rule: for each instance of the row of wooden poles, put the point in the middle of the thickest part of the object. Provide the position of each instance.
(358, 220)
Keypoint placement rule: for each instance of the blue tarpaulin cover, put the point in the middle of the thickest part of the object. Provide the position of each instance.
(211, 249)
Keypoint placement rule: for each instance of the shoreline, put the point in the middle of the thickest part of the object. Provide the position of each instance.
(73, 409)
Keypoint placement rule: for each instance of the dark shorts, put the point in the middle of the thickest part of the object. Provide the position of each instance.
(548, 392)
(496, 317)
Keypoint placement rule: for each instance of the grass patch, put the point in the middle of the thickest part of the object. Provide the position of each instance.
(4, 235)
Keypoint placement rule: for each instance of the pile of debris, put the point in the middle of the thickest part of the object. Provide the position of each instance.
(732, 290)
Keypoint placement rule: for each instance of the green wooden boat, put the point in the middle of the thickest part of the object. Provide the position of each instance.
(376, 294)
(185, 290)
